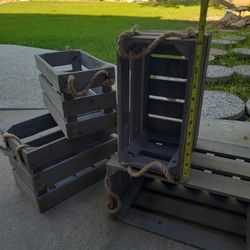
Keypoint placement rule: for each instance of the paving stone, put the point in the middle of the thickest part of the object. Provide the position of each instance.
(223, 42)
(218, 52)
(242, 51)
(211, 58)
(226, 31)
(243, 70)
(222, 105)
(245, 33)
(19, 84)
(217, 73)
(248, 107)
(234, 38)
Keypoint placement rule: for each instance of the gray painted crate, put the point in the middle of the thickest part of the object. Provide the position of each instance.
(50, 158)
(153, 98)
(210, 211)
(77, 116)
(64, 189)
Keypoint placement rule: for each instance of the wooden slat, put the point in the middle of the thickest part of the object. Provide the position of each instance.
(165, 108)
(189, 233)
(137, 97)
(123, 103)
(60, 149)
(89, 126)
(90, 61)
(89, 103)
(130, 195)
(65, 189)
(33, 126)
(192, 212)
(167, 88)
(223, 149)
(67, 166)
(162, 152)
(47, 71)
(221, 165)
(195, 195)
(82, 78)
(218, 184)
(169, 67)
(60, 58)
(168, 128)
(51, 93)
(58, 117)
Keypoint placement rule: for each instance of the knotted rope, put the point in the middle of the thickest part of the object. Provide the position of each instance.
(7, 136)
(111, 207)
(125, 36)
(149, 166)
(70, 87)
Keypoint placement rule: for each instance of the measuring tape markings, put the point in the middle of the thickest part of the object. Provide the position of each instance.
(188, 148)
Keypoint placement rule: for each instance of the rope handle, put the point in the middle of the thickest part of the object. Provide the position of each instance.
(18, 151)
(125, 36)
(114, 202)
(147, 167)
(70, 86)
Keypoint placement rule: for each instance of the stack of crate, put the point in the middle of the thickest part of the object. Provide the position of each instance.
(60, 153)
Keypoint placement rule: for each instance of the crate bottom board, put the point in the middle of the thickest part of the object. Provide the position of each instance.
(180, 230)
(63, 189)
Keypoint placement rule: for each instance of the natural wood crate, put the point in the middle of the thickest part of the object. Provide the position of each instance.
(153, 98)
(77, 115)
(50, 157)
(210, 211)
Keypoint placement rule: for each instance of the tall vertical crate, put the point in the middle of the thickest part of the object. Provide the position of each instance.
(77, 91)
(153, 98)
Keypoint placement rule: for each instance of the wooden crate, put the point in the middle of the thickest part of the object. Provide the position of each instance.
(77, 115)
(63, 189)
(210, 211)
(50, 157)
(153, 99)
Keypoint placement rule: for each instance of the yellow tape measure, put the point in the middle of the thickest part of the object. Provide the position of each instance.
(188, 148)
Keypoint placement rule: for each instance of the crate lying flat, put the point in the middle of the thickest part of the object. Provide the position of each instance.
(77, 115)
(210, 211)
(63, 189)
(51, 158)
(153, 97)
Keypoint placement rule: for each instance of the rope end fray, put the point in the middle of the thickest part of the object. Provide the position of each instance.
(114, 202)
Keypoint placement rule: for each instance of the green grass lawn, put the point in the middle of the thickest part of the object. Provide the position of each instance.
(89, 26)
(94, 27)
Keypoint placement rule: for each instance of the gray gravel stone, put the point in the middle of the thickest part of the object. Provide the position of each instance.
(234, 38)
(243, 70)
(248, 107)
(223, 42)
(242, 51)
(222, 105)
(217, 73)
(218, 52)
(19, 84)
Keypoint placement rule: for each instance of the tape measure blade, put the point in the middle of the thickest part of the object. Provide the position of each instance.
(192, 114)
